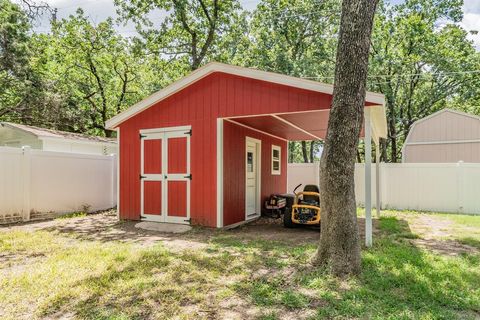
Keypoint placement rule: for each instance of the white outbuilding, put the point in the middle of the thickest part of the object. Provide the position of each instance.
(18, 135)
(445, 136)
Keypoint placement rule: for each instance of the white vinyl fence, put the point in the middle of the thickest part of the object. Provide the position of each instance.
(442, 187)
(36, 181)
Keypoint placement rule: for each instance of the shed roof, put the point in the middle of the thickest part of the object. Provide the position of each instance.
(371, 97)
(50, 133)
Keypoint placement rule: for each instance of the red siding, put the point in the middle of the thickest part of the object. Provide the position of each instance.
(234, 170)
(199, 105)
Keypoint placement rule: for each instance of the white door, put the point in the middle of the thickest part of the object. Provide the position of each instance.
(165, 174)
(251, 194)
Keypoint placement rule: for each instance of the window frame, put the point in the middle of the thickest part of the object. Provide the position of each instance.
(272, 160)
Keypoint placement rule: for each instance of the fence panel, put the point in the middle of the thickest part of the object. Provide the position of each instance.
(45, 181)
(66, 182)
(11, 184)
(444, 187)
(304, 173)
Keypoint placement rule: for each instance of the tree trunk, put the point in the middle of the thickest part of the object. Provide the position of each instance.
(291, 149)
(383, 147)
(312, 150)
(393, 148)
(339, 249)
(392, 132)
(304, 152)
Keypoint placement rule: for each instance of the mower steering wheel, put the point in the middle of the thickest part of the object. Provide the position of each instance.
(294, 190)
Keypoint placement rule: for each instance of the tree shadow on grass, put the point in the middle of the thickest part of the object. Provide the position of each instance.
(400, 280)
(155, 284)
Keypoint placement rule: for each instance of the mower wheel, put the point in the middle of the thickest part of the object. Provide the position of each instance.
(287, 219)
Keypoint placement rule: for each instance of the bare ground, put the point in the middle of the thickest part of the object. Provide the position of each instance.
(435, 234)
(432, 232)
(106, 227)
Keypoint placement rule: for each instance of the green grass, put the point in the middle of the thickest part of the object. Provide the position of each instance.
(459, 227)
(48, 274)
(73, 215)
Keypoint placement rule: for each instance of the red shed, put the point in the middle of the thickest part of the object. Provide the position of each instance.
(211, 147)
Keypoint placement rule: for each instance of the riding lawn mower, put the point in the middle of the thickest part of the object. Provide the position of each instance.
(305, 207)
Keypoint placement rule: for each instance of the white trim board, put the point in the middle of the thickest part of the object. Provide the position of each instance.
(296, 127)
(234, 70)
(417, 143)
(219, 173)
(241, 223)
(254, 129)
(118, 174)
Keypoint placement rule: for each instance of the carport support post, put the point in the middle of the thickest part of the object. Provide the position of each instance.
(368, 179)
(377, 177)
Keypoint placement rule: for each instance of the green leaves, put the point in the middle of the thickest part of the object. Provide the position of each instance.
(193, 31)
(82, 73)
(418, 60)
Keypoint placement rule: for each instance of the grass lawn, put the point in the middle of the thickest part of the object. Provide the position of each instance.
(422, 266)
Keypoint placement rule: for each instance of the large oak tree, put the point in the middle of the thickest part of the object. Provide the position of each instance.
(339, 247)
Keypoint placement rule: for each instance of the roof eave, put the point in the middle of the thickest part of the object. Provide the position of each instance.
(212, 67)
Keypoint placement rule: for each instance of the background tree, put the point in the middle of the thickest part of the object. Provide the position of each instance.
(417, 60)
(297, 38)
(14, 59)
(94, 72)
(420, 58)
(339, 247)
(193, 30)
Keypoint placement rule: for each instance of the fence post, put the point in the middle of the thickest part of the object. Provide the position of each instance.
(113, 192)
(26, 174)
(460, 178)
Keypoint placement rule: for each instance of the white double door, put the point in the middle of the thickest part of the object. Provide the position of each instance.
(165, 174)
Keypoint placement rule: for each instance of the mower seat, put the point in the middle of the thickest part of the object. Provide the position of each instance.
(313, 199)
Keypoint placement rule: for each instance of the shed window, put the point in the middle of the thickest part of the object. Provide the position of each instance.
(276, 156)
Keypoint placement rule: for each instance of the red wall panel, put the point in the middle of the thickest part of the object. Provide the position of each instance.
(234, 170)
(199, 105)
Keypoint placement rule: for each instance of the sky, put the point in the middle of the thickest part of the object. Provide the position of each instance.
(99, 10)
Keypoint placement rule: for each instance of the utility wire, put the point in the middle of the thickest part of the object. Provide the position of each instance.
(411, 75)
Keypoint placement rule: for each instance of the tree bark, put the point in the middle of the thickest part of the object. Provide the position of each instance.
(312, 150)
(339, 249)
(291, 147)
(304, 152)
(383, 148)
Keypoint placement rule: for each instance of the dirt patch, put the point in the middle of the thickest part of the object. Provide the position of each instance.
(445, 247)
(437, 234)
(431, 227)
(106, 227)
(269, 229)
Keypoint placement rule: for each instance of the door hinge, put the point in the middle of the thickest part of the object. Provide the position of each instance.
(189, 132)
(189, 177)
(141, 177)
(142, 136)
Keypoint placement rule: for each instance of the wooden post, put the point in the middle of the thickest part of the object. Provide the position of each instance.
(368, 179)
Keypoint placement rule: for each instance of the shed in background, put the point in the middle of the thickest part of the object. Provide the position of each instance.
(445, 136)
(19, 135)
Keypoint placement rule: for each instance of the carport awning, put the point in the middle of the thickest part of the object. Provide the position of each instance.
(306, 125)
